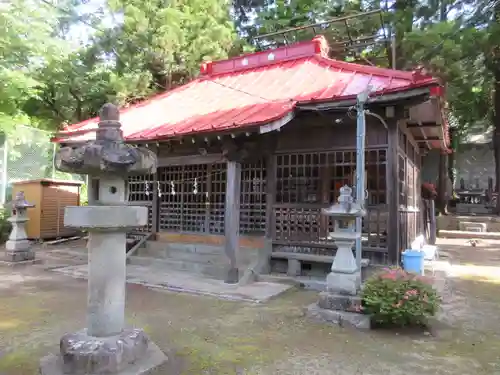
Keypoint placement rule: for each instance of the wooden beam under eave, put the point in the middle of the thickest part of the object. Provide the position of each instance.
(424, 136)
(423, 125)
(427, 139)
(165, 161)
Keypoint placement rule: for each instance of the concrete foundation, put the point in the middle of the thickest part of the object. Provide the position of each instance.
(19, 255)
(338, 317)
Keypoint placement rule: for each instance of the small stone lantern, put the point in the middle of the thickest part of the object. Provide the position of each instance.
(340, 304)
(18, 247)
(345, 277)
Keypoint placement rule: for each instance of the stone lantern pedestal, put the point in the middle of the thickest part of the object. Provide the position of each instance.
(18, 249)
(340, 304)
(106, 346)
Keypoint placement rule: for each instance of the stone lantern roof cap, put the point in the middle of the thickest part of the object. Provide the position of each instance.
(20, 201)
(345, 206)
(108, 154)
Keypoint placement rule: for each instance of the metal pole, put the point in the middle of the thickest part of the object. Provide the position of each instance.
(360, 166)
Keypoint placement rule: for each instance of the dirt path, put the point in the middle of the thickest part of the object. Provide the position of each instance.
(210, 336)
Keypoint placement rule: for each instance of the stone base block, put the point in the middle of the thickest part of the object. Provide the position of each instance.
(129, 353)
(19, 256)
(294, 267)
(15, 260)
(341, 318)
(233, 276)
(331, 301)
(18, 246)
(343, 283)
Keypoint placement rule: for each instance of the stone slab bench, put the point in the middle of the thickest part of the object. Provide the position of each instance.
(295, 260)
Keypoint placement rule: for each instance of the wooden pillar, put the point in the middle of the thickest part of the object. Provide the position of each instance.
(392, 187)
(155, 204)
(232, 219)
(264, 266)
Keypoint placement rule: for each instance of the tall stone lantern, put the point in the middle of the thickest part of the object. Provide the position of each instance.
(106, 346)
(340, 304)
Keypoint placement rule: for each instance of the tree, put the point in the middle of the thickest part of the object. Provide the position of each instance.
(24, 42)
(492, 62)
(160, 45)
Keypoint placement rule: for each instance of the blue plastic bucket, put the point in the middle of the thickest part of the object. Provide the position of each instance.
(413, 261)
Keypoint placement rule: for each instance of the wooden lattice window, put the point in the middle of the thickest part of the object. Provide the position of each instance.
(306, 182)
(402, 180)
(170, 206)
(140, 192)
(193, 198)
(141, 188)
(253, 198)
(217, 198)
(298, 177)
(311, 178)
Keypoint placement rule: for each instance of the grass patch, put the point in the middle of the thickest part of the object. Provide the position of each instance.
(19, 363)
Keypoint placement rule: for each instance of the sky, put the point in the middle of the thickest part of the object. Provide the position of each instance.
(80, 32)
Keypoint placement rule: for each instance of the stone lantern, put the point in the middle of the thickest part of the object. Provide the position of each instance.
(340, 303)
(106, 346)
(345, 277)
(18, 247)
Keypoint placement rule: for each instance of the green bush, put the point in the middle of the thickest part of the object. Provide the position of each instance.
(5, 226)
(398, 298)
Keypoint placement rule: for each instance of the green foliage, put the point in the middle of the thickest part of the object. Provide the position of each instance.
(84, 195)
(397, 298)
(154, 45)
(5, 225)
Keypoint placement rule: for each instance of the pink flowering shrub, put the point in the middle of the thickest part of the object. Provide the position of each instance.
(396, 297)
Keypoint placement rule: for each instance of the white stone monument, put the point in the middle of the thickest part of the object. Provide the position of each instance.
(106, 346)
(18, 248)
(340, 304)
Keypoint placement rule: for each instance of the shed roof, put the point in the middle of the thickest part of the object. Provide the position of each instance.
(253, 90)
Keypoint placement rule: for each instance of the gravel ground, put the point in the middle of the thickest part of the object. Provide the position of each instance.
(209, 336)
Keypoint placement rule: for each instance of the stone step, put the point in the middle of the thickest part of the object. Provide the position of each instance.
(195, 248)
(217, 271)
(198, 254)
(471, 226)
(469, 234)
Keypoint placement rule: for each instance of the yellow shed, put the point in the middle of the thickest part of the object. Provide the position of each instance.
(46, 219)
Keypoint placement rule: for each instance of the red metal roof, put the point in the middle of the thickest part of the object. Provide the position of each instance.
(251, 90)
